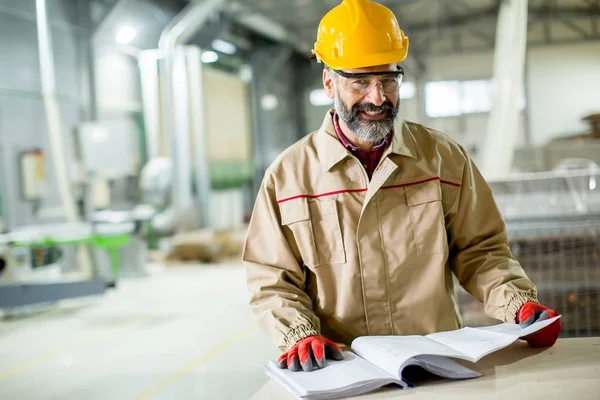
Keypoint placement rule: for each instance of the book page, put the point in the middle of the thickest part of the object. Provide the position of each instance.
(391, 352)
(516, 330)
(348, 376)
(472, 343)
(476, 343)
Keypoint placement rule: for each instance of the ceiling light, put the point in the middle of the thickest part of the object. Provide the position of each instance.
(209, 57)
(223, 46)
(269, 102)
(125, 35)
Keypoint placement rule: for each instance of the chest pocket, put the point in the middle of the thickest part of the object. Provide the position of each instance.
(427, 217)
(317, 230)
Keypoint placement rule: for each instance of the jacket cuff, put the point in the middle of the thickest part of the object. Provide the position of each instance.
(516, 302)
(297, 334)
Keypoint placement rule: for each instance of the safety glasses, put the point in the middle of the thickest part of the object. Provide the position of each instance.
(362, 83)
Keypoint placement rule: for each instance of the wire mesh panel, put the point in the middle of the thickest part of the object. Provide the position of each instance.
(553, 222)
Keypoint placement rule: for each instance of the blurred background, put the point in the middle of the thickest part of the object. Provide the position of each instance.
(134, 135)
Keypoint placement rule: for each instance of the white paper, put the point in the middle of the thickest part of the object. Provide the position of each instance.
(516, 330)
(391, 352)
(471, 343)
(348, 375)
(476, 343)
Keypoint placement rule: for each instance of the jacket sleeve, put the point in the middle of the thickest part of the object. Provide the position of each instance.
(275, 276)
(479, 253)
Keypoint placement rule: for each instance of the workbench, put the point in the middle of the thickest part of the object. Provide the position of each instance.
(568, 370)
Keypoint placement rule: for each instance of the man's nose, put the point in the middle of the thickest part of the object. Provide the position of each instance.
(376, 95)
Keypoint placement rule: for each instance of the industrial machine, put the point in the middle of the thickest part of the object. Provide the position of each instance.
(45, 259)
(33, 263)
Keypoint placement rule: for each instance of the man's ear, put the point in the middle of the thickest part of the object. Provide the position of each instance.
(328, 83)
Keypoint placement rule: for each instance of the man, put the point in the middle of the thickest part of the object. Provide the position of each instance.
(359, 227)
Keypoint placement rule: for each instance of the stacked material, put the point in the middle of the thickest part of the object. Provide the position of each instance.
(207, 246)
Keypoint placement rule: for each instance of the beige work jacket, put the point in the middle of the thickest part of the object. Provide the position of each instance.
(330, 253)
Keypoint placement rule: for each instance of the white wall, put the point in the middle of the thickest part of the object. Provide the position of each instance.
(564, 85)
(468, 130)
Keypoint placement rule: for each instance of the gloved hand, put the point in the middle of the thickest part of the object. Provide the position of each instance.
(308, 352)
(530, 313)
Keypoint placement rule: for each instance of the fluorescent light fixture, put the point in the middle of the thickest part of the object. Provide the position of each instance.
(223, 46)
(125, 35)
(209, 57)
(319, 98)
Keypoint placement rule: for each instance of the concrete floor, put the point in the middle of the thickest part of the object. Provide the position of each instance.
(184, 333)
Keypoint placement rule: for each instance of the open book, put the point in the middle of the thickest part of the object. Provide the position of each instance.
(377, 361)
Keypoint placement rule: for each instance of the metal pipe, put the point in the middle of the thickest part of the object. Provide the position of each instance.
(54, 122)
(7, 208)
(148, 65)
(179, 31)
(259, 23)
(52, 111)
(199, 132)
(181, 111)
(90, 56)
(45, 48)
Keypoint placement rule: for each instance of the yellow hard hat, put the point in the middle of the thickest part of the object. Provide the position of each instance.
(358, 34)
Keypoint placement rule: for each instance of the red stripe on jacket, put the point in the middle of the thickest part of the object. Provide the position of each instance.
(316, 196)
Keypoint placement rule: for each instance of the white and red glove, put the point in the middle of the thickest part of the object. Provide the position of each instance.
(530, 313)
(308, 352)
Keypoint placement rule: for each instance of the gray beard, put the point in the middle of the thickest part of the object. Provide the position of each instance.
(369, 131)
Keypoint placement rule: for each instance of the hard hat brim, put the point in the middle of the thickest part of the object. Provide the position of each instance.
(371, 60)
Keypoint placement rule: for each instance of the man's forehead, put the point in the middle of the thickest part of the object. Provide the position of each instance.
(378, 68)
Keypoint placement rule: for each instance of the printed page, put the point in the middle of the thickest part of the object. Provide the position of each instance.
(391, 352)
(348, 376)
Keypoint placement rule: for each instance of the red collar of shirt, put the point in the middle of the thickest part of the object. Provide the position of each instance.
(368, 160)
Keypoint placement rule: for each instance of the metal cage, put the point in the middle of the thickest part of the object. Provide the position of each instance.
(553, 222)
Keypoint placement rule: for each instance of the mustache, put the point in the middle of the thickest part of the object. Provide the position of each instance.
(385, 107)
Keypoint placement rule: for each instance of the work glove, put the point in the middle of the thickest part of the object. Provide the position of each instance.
(530, 313)
(309, 353)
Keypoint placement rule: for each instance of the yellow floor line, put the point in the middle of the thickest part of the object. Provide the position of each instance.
(87, 339)
(189, 367)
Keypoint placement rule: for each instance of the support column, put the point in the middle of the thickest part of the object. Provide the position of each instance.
(509, 66)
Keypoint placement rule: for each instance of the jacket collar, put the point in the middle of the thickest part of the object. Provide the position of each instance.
(331, 151)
